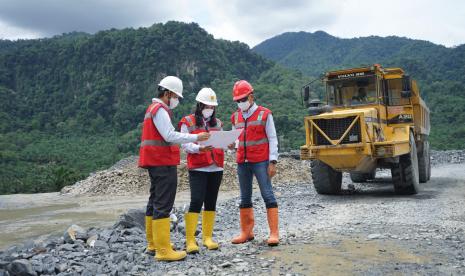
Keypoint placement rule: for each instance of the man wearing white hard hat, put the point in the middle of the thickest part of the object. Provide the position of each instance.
(205, 166)
(160, 155)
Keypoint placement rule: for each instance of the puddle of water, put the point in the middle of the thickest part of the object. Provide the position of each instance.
(52, 224)
(341, 256)
(15, 214)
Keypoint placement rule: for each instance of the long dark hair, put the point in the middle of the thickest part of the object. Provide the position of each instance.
(199, 116)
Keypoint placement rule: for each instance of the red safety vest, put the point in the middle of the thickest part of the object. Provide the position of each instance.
(202, 159)
(154, 150)
(253, 142)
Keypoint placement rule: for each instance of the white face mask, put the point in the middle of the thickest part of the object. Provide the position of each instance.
(244, 105)
(173, 103)
(207, 113)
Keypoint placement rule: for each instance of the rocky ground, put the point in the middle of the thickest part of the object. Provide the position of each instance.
(369, 230)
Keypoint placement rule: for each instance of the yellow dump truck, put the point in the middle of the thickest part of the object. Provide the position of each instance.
(374, 118)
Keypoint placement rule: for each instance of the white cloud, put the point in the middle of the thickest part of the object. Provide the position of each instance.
(12, 32)
(442, 22)
(250, 21)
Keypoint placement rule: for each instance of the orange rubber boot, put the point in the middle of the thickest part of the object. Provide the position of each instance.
(247, 224)
(273, 223)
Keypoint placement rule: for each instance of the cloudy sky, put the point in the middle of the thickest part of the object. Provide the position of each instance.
(250, 21)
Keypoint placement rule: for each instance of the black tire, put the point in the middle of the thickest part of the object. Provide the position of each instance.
(429, 161)
(405, 174)
(424, 163)
(326, 180)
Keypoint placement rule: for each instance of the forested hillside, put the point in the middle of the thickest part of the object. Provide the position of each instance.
(440, 71)
(74, 103)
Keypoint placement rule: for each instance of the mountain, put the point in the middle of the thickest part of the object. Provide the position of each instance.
(74, 103)
(440, 71)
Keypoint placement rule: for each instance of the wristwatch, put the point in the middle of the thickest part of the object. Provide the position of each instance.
(274, 162)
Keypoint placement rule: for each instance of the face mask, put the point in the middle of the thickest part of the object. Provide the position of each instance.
(173, 103)
(244, 105)
(207, 113)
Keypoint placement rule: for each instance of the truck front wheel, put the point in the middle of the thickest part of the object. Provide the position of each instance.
(326, 180)
(424, 163)
(405, 174)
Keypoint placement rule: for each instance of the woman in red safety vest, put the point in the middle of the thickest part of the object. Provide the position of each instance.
(205, 166)
(257, 155)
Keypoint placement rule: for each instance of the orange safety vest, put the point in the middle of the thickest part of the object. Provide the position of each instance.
(154, 150)
(202, 159)
(253, 142)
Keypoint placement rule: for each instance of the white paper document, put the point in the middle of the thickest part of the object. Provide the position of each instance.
(221, 139)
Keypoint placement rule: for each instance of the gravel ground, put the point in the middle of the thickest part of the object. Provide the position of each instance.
(367, 231)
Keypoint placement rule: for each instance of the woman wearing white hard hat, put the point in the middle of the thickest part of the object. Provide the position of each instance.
(205, 166)
(160, 155)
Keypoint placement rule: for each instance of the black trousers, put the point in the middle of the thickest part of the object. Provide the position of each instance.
(204, 190)
(163, 184)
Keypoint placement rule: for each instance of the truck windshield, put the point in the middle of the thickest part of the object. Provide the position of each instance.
(352, 92)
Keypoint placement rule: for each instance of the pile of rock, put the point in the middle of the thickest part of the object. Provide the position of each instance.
(447, 157)
(125, 178)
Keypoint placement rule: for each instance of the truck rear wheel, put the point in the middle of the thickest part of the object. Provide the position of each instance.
(424, 163)
(326, 180)
(405, 174)
(362, 177)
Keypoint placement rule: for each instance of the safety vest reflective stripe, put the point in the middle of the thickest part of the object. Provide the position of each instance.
(258, 122)
(148, 114)
(260, 115)
(254, 143)
(239, 125)
(159, 143)
(214, 128)
(251, 123)
(192, 127)
(189, 120)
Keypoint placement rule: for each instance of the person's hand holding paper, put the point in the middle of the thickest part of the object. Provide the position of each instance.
(221, 139)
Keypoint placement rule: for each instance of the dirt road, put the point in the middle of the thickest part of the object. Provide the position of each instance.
(369, 231)
(373, 231)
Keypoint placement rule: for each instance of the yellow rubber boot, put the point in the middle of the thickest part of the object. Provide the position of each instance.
(149, 235)
(191, 220)
(208, 221)
(161, 236)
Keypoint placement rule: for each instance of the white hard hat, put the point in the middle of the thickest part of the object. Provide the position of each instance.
(173, 84)
(207, 96)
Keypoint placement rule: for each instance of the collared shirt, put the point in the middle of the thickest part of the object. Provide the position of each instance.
(195, 148)
(162, 122)
(270, 132)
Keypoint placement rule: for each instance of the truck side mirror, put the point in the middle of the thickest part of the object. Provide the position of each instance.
(306, 93)
(406, 87)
